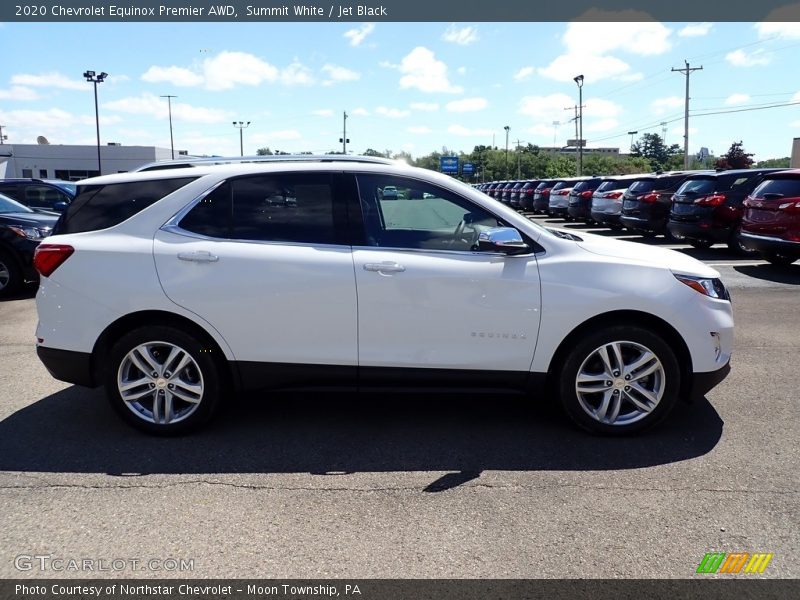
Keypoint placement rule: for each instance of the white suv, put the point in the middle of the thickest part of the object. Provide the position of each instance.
(175, 287)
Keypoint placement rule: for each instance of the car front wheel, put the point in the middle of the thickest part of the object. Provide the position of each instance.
(162, 380)
(10, 275)
(619, 380)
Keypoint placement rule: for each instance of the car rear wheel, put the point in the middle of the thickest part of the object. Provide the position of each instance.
(619, 380)
(778, 259)
(735, 245)
(10, 275)
(162, 380)
(701, 244)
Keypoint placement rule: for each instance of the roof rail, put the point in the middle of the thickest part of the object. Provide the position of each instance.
(232, 160)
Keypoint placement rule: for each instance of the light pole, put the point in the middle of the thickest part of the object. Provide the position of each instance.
(555, 130)
(579, 81)
(241, 125)
(632, 133)
(507, 128)
(169, 105)
(95, 79)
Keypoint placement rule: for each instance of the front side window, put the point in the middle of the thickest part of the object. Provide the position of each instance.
(423, 216)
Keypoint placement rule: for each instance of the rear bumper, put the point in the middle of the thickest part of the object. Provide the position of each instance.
(642, 224)
(558, 211)
(699, 230)
(764, 243)
(606, 218)
(702, 383)
(67, 365)
(578, 211)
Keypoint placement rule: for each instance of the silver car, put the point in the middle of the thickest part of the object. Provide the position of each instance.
(607, 200)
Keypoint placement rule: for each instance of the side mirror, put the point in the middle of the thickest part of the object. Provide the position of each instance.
(60, 206)
(502, 239)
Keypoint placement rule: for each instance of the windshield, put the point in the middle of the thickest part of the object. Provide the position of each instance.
(7, 205)
(783, 187)
(703, 185)
(642, 186)
(609, 184)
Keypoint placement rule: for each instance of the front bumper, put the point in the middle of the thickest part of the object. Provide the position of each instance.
(702, 383)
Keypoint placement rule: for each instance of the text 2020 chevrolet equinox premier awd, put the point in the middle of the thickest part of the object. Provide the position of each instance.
(174, 287)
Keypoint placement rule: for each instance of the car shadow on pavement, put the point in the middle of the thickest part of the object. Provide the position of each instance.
(76, 431)
(27, 292)
(789, 274)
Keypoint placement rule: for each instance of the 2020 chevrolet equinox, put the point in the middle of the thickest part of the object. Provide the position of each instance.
(176, 287)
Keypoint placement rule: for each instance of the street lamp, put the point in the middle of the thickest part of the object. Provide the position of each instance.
(241, 125)
(507, 128)
(555, 130)
(95, 79)
(632, 133)
(579, 81)
(169, 105)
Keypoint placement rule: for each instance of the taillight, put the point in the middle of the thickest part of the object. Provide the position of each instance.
(545, 191)
(561, 192)
(713, 200)
(652, 197)
(529, 192)
(48, 257)
(612, 195)
(792, 207)
(586, 194)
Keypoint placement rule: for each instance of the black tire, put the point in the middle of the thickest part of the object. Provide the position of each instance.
(648, 234)
(10, 275)
(735, 245)
(586, 347)
(778, 259)
(206, 366)
(701, 244)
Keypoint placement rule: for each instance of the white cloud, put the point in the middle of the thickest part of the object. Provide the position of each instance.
(737, 99)
(592, 67)
(392, 113)
(461, 70)
(524, 73)
(421, 70)
(228, 69)
(296, 74)
(175, 75)
(426, 106)
(360, 112)
(56, 124)
(631, 77)
(19, 93)
(783, 22)
(152, 105)
(419, 130)
(322, 112)
(54, 80)
(740, 58)
(461, 130)
(601, 125)
(358, 35)
(696, 30)
(602, 109)
(542, 129)
(337, 74)
(462, 36)
(678, 132)
(467, 105)
(796, 97)
(795, 124)
(546, 107)
(661, 106)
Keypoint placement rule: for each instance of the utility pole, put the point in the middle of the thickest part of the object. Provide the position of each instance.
(2, 137)
(169, 105)
(507, 128)
(579, 80)
(686, 71)
(344, 139)
(519, 159)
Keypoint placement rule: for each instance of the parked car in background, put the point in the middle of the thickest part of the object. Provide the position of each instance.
(607, 199)
(526, 195)
(176, 288)
(646, 202)
(707, 208)
(771, 220)
(505, 193)
(580, 198)
(559, 198)
(390, 192)
(45, 194)
(21, 230)
(541, 196)
(513, 196)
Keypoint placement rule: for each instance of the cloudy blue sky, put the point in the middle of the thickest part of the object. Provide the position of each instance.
(413, 87)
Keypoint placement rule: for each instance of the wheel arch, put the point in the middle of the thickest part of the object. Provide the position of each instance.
(628, 317)
(129, 322)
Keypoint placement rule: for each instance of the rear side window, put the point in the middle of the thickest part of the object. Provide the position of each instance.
(786, 187)
(211, 216)
(609, 184)
(560, 185)
(705, 185)
(103, 206)
(642, 186)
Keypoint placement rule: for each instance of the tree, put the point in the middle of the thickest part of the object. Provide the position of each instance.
(782, 163)
(265, 151)
(735, 158)
(653, 148)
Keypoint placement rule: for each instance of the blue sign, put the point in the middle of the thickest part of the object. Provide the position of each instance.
(448, 164)
(467, 169)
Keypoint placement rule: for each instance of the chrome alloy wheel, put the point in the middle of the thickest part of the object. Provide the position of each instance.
(620, 383)
(160, 383)
(5, 275)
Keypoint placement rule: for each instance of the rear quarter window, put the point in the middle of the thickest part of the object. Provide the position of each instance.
(786, 187)
(103, 206)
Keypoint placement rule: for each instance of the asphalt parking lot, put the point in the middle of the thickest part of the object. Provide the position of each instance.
(410, 486)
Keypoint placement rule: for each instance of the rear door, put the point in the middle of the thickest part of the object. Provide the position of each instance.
(266, 261)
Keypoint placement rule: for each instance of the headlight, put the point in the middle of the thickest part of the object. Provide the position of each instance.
(30, 233)
(713, 288)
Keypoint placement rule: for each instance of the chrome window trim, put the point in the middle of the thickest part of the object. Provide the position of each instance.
(446, 252)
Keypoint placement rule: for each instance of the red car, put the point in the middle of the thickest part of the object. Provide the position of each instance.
(771, 222)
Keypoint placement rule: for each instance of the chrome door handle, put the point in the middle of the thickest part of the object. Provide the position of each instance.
(384, 267)
(200, 256)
